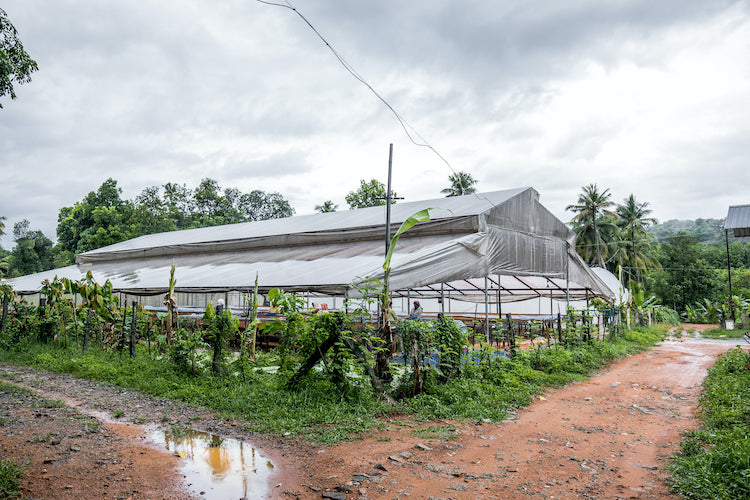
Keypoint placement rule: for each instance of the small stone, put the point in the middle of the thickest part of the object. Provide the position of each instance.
(406, 454)
(334, 496)
(75, 448)
(458, 487)
(423, 447)
(380, 467)
(396, 459)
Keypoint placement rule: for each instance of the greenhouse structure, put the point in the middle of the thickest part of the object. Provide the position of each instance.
(477, 251)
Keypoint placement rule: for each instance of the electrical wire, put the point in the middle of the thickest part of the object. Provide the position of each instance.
(401, 120)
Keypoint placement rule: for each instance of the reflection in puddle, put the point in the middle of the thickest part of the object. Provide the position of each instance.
(221, 467)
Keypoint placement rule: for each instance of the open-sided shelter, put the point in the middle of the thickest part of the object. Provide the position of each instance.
(485, 247)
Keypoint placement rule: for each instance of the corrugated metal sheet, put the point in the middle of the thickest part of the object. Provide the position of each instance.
(738, 220)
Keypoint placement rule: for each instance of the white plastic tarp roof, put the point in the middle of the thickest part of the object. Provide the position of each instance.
(498, 233)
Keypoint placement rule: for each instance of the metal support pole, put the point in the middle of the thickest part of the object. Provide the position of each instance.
(499, 300)
(442, 298)
(567, 277)
(486, 311)
(729, 275)
(388, 202)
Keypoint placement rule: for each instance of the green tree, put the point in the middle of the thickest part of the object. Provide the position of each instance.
(101, 218)
(32, 252)
(16, 65)
(461, 183)
(2, 224)
(685, 278)
(592, 221)
(326, 207)
(369, 194)
(633, 220)
(259, 205)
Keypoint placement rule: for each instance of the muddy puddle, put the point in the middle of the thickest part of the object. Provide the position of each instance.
(215, 466)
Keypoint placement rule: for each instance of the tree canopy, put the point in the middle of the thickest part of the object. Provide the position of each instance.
(369, 194)
(461, 183)
(16, 65)
(593, 222)
(326, 207)
(32, 252)
(103, 218)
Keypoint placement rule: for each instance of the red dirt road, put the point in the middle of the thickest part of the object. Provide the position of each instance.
(608, 437)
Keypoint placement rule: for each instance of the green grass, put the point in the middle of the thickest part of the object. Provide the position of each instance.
(720, 333)
(46, 403)
(10, 478)
(320, 411)
(714, 461)
(442, 432)
(43, 438)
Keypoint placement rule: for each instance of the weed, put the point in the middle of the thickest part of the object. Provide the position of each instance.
(43, 438)
(720, 333)
(179, 431)
(10, 478)
(47, 403)
(383, 439)
(118, 413)
(12, 388)
(442, 432)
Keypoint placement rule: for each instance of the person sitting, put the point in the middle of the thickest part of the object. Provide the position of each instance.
(416, 312)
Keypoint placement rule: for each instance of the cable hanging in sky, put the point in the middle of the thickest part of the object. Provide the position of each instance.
(404, 124)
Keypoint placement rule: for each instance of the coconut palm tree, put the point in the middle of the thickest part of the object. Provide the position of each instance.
(327, 206)
(593, 219)
(461, 183)
(633, 220)
(2, 224)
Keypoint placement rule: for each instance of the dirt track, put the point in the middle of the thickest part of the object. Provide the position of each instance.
(604, 438)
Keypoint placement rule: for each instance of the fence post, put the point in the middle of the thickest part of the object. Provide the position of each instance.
(133, 324)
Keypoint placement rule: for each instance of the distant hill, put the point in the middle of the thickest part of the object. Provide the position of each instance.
(708, 231)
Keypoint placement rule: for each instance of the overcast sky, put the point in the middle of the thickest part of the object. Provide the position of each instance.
(638, 96)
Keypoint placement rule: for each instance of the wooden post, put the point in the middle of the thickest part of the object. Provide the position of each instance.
(5, 312)
(87, 331)
(121, 342)
(133, 325)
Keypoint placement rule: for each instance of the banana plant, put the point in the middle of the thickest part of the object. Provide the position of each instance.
(381, 365)
(171, 302)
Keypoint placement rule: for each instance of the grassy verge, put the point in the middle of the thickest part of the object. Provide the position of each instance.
(720, 333)
(714, 461)
(320, 411)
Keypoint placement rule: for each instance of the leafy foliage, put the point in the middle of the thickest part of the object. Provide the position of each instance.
(461, 183)
(685, 278)
(16, 65)
(594, 223)
(10, 476)
(369, 194)
(103, 217)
